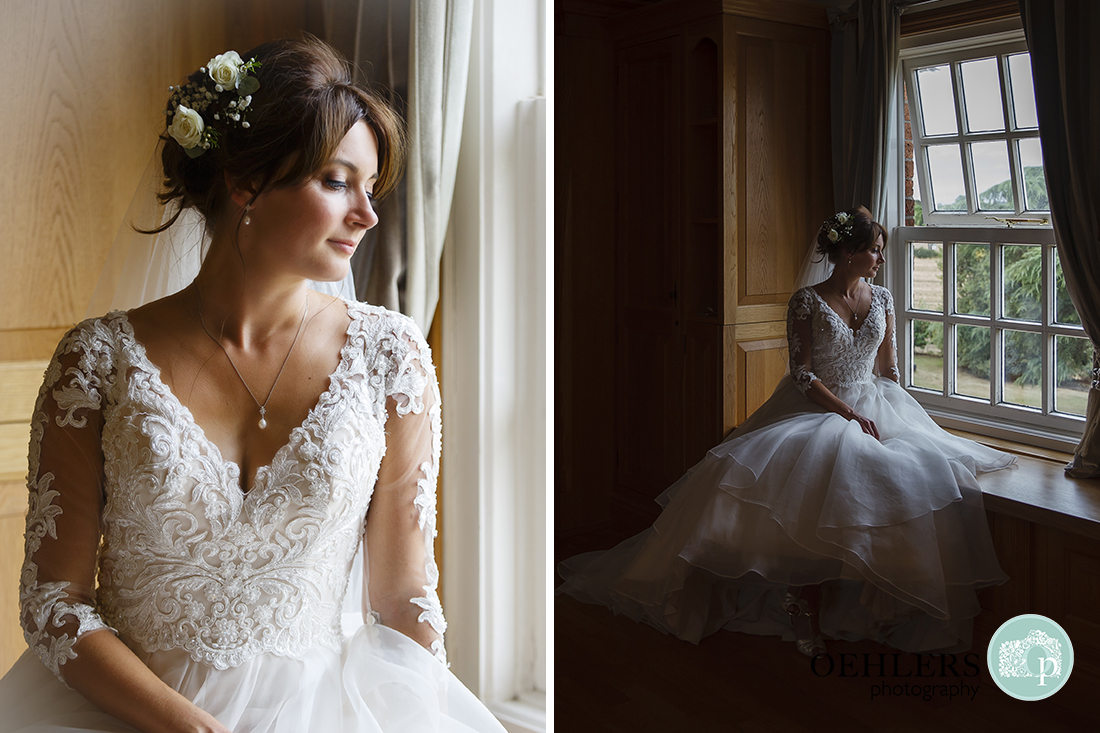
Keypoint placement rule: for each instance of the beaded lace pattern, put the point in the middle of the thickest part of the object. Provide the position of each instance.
(189, 561)
(839, 356)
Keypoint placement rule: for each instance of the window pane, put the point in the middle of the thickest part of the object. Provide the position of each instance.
(945, 169)
(937, 100)
(926, 266)
(982, 95)
(991, 176)
(927, 355)
(1073, 367)
(1023, 93)
(972, 279)
(972, 361)
(1066, 313)
(1022, 279)
(1023, 368)
(1035, 181)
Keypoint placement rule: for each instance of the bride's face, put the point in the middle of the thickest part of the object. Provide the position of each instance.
(313, 229)
(866, 263)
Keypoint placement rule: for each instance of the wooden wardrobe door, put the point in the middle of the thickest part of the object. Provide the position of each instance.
(649, 362)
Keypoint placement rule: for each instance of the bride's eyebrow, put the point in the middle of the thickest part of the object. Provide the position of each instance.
(352, 167)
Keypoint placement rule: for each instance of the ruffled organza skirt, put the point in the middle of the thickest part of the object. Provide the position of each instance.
(893, 530)
(383, 681)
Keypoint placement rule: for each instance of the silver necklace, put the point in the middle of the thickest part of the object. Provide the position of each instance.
(844, 298)
(263, 407)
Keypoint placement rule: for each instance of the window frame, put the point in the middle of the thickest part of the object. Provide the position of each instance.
(1041, 427)
(911, 63)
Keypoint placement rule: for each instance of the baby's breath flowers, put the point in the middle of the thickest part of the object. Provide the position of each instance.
(216, 96)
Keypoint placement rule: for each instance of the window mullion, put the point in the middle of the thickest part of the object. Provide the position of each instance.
(949, 349)
(996, 334)
(960, 121)
(1015, 168)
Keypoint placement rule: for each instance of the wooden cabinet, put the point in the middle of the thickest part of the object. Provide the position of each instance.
(722, 175)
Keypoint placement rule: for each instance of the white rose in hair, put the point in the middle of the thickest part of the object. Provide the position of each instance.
(187, 127)
(225, 69)
(832, 235)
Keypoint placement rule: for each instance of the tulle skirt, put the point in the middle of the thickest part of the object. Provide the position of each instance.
(893, 530)
(383, 681)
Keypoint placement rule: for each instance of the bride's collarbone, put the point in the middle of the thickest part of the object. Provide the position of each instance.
(842, 309)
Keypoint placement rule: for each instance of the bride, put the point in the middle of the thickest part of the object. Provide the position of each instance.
(839, 509)
(204, 468)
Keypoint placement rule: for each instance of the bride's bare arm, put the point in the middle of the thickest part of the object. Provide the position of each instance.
(107, 673)
(800, 351)
(56, 594)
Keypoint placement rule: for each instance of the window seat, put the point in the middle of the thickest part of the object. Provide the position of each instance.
(1038, 490)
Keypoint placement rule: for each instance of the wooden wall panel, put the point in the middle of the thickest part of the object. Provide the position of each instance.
(762, 364)
(13, 506)
(780, 160)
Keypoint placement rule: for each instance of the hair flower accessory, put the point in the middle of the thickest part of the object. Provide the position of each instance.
(216, 96)
(838, 227)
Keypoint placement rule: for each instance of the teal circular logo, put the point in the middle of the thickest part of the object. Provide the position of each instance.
(1030, 657)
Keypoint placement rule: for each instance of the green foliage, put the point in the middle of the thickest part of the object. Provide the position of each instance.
(998, 197)
(918, 214)
(1023, 298)
(928, 337)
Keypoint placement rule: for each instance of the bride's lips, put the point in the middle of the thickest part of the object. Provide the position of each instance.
(345, 245)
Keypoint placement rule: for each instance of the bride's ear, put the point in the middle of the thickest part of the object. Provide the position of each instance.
(241, 191)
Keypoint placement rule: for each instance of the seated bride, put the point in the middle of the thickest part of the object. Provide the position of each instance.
(205, 468)
(838, 510)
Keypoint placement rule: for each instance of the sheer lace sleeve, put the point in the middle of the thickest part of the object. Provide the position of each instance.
(887, 359)
(800, 338)
(65, 481)
(401, 571)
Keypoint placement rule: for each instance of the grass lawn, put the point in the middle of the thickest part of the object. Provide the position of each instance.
(928, 373)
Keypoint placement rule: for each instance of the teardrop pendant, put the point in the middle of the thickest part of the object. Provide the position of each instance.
(263, 418)
(263, 423)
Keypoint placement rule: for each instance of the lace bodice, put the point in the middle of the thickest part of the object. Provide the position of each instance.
(125, 484)
(823, 346)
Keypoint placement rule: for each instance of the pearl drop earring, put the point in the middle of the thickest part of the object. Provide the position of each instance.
(247, 218)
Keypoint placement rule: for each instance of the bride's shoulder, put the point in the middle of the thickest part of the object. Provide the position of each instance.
(883, 294)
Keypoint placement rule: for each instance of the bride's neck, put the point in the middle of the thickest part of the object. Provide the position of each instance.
(847, 284)
(245, 305)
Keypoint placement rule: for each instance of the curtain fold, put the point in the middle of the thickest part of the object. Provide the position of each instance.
(863, 79)
(439, 61)
(1065, 67)
(420, 50)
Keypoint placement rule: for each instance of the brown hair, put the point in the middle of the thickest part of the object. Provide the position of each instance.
(857, 235)
(306, 103)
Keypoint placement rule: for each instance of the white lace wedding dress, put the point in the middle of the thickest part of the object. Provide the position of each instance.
(234, 599)
(893, 530)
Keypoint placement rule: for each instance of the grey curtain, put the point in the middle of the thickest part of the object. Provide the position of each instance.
(1065, 66)
(863, 78)
(420, 50)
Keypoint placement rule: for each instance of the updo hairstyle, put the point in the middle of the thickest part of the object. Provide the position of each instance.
(855, 231)
(305, 105)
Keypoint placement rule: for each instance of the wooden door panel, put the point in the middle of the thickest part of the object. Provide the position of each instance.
(702, 390)
(778, 109)
(648, 237)
(649, 405)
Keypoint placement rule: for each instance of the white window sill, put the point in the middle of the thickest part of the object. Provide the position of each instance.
(525, 714)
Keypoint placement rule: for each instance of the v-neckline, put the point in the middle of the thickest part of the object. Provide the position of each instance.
(262, 472)
(853, 331)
